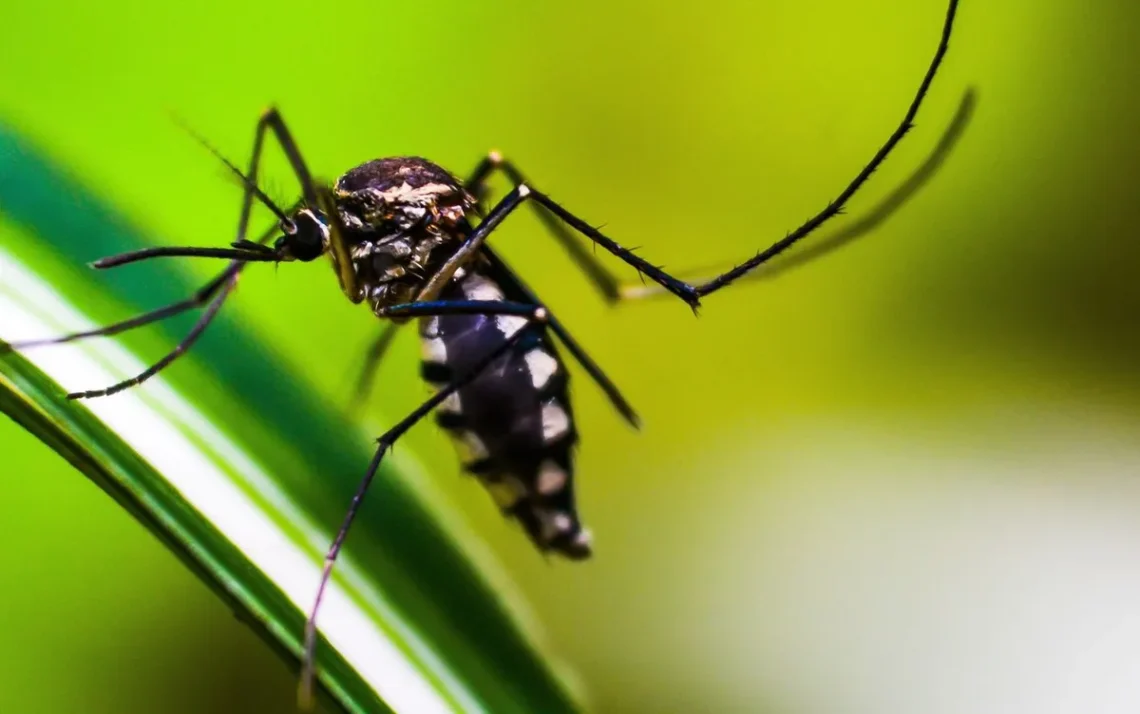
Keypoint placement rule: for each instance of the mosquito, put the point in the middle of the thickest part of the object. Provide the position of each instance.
(410, 240)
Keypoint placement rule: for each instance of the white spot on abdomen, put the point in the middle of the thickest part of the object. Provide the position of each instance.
(510, 324)
(562, 522)
(429, 327)
(478, 287)
(555, 421)
(433, 349)
(542, 366)
(553, 523)
(451, 404)
(551, 478)
(583, 539)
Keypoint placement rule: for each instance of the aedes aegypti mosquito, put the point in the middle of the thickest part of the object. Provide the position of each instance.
(401, 237)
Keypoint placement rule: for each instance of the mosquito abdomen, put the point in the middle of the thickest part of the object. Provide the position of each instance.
(513, 425)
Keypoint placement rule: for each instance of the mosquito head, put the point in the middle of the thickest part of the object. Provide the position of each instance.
(306, 236)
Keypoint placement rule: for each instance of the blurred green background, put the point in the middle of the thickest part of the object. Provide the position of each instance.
(903, 479)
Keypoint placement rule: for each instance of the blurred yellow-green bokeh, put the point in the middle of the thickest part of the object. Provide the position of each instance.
(901, 480)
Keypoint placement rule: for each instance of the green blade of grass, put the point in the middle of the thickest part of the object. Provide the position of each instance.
(246, 480)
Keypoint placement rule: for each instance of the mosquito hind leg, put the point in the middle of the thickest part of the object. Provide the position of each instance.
(691, 294)
(871, 220)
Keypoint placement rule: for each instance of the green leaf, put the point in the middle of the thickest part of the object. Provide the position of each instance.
(244, 472)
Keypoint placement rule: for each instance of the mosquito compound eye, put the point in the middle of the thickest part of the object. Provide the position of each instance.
(307, 246)
(308, 239)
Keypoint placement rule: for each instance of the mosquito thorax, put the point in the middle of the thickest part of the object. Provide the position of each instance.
(397, 213)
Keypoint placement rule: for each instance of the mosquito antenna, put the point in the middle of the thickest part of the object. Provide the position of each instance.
(245, 180)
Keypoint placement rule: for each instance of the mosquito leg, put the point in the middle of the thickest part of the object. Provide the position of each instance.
(434, 308)
(601, 278)
(200, 298)
(857, 229)
(836, 207)
(471, 245)
(692, 294)
(191, 337)
(537, 316)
